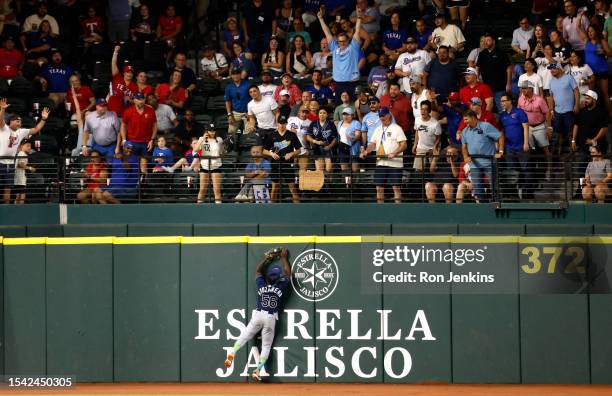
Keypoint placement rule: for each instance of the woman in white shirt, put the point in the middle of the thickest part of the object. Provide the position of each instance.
(350, 140)
(532, 76)
(211, 147)
(543, 63)
(582, 73)
(299, 125)
(273, 60)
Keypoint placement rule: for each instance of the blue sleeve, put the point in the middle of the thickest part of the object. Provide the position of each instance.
(333, 45)
(227, 93)
(282, 283)
(260, 281)
(572, 82)
(45, 73)
(265, 165)
(492, 132)
(355, 45)
(309, 130)
(523, 117)
(464, 139)
(364, 126)
(361, 54)
(370, 76)
(250, 168)
(155, 152)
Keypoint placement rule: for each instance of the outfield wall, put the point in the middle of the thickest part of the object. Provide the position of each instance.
(520, 309)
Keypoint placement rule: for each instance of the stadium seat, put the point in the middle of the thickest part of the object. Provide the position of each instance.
(216, 103)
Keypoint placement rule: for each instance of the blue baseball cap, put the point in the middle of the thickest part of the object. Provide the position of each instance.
(128, 145)
(139, 96)
(384, 111)
(274, 273)
(554, 66)
(101, 102)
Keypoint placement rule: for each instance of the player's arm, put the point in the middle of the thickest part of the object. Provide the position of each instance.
(260, 267)
(283, 256)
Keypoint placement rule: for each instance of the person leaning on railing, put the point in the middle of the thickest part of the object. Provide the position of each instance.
(597, 177)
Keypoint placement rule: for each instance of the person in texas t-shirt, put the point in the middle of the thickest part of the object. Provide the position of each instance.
(123, 86)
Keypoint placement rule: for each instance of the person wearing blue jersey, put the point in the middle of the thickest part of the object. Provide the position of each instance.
(55, 75)
(345, 55)
(272, 282)
(323, 136)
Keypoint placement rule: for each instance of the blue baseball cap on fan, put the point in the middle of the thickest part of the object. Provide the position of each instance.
(384, 111)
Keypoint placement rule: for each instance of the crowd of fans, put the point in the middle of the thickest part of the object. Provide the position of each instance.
(429, 87)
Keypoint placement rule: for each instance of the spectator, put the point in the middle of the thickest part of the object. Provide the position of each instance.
(390, 143)
(262, 113)
(370, 122)
(282, 146)
(411, 63)
(440, 75)
(21, 166)
(243, 60)
(291, 87)
(582, 73)
(258, 23)
(459, 10)
(257, 176)
(319, 59)
(344, 103)
(11, 59)
(283, 103)
(210, 163)
(565, 100)
(350, 141)
(495, 69)
(298, 30)
(123, 86)
(345, 56)
(472, 58)
(444, 172)
(597, 177)
(543, 66)
(143, 86)
(596, 49)
(139, 129)
(478, 140)
(311, 7)
(427, 138)
(299, 59)
(474, 88)
(84, 95)
(447, 35)
(419, 95)
(362, 104)
(11, 135)
(482, 114)
(118, 14)
(172, 93)
(422, 34)
(399, 106)
(55, 77)
(313, 110)
(232, 34)
(465, 182)
(383, 87)
(96, 175)
(32, 22)
(274, 59)
(394, 38)
(537, 42)
(144, 26)
(162, 156)
(187, 129)
(370, 18)
(521, 37)
(607, 30)
(323, 136)
(573, 24)
(213, 64)
(9, 25)
(285, 14)
(123, 181)
(236, 100)
(561, 49)
(266, 88)
(188, 76)
(320, 93)
(306, 99)
(540, 121)
(299, 125)
(591, 127)
(514, 144)
(378, 74)
(166, 118)
(532, 76)
(103, 126)
(452, 116)
(170, 27)
(190, 162)
(37, 44)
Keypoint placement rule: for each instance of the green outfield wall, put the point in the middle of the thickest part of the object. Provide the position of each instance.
(396, 309)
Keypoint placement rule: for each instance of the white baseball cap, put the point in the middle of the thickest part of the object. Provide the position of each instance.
(592, 94)
(284, 92)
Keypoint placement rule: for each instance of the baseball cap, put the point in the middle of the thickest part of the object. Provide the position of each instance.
(139, 96)
(284, 92)
(347, 110)
(525, 84)
(471, 70)
(591, 94)
(55, 51)
(101, 102)
(266, 72)
(374, 99)
(454, 97)
(274, 273)
(286, 74)
(476, 101)
(25, 141)
(236, 70)
(553, 66)
(384, 111)
(128, 69)
(416, 79)
(282, 119)
(211, 127)
(411, 40)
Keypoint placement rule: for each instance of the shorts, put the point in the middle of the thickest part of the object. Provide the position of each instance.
(319, 152)
(420, 161)
(537, 136)
(601, 76)
(385, 175)
(460, 4)
(283, 172)
(345, 154)
(19, 190)
(7, 175)
(139, 149)
(105, 151)
(217, 170)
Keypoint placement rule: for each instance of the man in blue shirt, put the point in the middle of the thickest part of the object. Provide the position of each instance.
(320, 93)
(565, 100)
(479, 140)
(452, 114)
(514, 143)
(345, 56)
(57, 76)
(236, 100)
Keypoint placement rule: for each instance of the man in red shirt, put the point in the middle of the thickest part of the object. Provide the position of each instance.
(123, 86)
(169, 26)
(11, 59)
(139, 127)
(399, 104)
(474, 88)
(84, 95)
(483, 115)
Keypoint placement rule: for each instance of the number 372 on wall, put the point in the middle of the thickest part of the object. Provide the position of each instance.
(569, 259)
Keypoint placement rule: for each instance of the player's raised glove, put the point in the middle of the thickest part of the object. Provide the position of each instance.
(273, 254)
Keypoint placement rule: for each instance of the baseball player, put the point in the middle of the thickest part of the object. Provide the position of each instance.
(270, 293)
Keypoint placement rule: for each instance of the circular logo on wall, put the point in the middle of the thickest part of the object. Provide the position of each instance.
(315, 275)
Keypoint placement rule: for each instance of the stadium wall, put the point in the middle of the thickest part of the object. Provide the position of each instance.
(163, 308)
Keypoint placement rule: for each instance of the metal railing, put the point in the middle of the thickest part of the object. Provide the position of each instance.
(66, 180)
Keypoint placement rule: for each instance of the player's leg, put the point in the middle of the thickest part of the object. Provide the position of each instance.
(254, 326)
(267, 339)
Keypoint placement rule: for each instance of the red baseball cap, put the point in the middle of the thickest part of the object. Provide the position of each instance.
(454, 97)
(128, 69)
